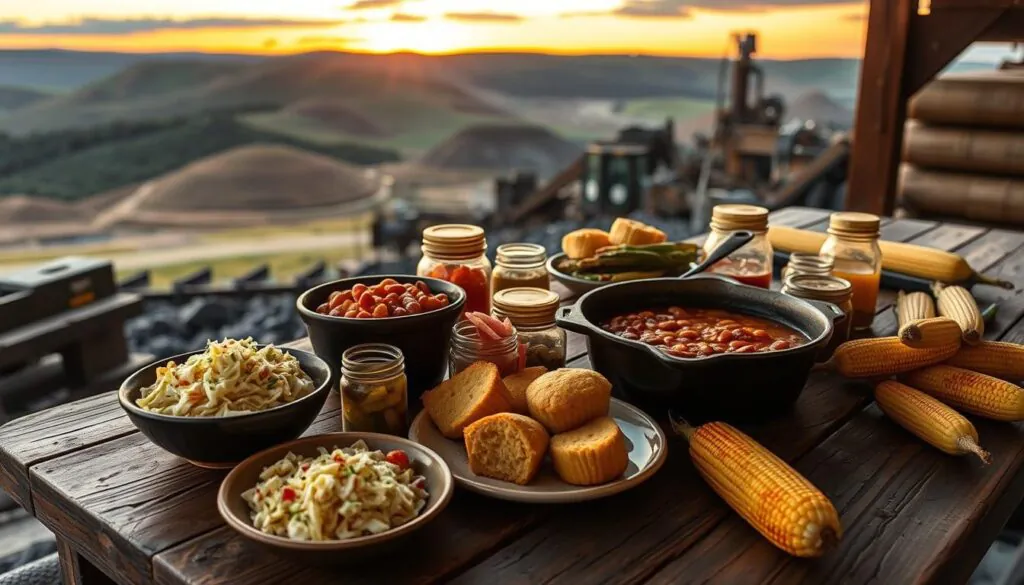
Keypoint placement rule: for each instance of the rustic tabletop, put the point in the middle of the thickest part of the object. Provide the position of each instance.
(125, 511)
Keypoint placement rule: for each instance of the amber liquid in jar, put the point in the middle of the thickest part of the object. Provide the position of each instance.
(852, 245)
(865, 294)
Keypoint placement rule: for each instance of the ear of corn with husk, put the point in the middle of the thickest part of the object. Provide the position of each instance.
(884, 356)
(769, 494)
(932, 421)
(995, 358)
(930, 333)
(957, 303)
(910, 259)
(969, 391)
(913, 306)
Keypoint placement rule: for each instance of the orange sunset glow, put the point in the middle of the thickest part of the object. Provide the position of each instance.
(790, 29)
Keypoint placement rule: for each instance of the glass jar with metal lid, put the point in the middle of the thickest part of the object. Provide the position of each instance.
(468, 347)
(374, 390)
(803, 263)
(751, 264)
(830, 289)
(853, 246)
(519, 265)
(532, 312)
(456, 253)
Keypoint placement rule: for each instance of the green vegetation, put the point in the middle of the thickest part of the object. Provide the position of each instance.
(75, 164)
(661, 108)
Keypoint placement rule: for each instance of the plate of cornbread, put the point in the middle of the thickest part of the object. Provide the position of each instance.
(538, 436)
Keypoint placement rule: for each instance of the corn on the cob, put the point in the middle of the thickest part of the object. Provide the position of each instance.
(913, 306)
(932, 421)
(884, 356)
(920, 261)
(970, 391)
(769, 494)
(930, 333)
(995, 358)
(957, 303)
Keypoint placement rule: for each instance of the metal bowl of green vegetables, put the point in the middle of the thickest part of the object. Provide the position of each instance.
(629, 262)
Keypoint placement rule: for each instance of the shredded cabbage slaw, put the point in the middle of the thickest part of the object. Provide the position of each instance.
(231, 377)
(338, 495)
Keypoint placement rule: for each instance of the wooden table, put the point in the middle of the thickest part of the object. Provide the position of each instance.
(126, 511)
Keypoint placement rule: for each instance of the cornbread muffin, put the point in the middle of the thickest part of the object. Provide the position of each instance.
(567, 398)
(467, 397)
(506, 446)
(592, 454)
(584, 243)
(634, 233)
(517, 383)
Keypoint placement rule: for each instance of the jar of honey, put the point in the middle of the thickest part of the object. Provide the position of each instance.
(856, 257)
(519, 265)
(456, 253)
(830, 289)
(751, 264)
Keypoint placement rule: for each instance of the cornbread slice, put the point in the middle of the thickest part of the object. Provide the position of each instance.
(635, 233)
(465, 398)
(592, 454)
(568, 398)
(584, 243)
(506, 446)
(516, 384)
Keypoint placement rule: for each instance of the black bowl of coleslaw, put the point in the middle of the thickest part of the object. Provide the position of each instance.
(219, 442)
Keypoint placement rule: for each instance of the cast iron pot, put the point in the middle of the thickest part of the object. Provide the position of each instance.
(723, 386)
(423, 338)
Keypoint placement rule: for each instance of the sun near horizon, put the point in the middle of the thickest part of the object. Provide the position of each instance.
(789, 29)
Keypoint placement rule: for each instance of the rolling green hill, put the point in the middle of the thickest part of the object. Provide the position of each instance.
(16, 97)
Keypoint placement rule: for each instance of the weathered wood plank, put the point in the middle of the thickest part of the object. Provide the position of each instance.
(121, 511)
(798, 217)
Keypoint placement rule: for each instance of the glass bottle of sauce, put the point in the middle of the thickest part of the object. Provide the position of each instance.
(519, 265)
(856, 257)
(532, 313)
(374, 390)
(456, 253)
(830, 289)
(751, 264)
(468, 347)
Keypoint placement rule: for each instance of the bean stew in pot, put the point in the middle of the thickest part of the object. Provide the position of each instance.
(691, 333)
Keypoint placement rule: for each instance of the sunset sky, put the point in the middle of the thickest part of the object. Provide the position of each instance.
(789, 28)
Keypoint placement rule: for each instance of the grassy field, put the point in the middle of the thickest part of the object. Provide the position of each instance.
(325, 226)
(661, 108)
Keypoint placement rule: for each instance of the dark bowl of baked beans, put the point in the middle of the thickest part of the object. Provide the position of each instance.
(707, 346)
(414, 314)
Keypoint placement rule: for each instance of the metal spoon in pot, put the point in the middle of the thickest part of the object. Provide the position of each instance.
(735, 241)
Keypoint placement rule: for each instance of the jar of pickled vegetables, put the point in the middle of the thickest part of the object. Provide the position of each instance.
(456, 253)
(374, 390)
(519, 265)
(532, 312)
(751, 264)
(830, 289)
(468, 346)
(856, 257)
(804, 263)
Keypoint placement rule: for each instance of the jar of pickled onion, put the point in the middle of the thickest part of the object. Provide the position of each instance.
(456, 253)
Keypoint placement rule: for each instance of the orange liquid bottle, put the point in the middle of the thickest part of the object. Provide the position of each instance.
(853, 246)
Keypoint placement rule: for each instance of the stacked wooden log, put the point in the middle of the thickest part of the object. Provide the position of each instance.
(964, 148)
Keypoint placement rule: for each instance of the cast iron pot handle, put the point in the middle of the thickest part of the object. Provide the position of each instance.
(571, 318)
(831, 311)
(735, 241)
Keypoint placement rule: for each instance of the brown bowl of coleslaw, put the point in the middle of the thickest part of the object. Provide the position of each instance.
(217, 407)
(336, 498)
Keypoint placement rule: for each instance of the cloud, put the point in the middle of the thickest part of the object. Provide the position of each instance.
(761, 5)
(326, 40)
(105, 26)
(370, 4)
(855, 17)
(654, 9)
(483, 17)
(682, 8)
(401, 17)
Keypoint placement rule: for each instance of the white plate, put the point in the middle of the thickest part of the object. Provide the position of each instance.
(645, 442)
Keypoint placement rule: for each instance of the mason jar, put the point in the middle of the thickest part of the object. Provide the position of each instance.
(456, 253)
(468, 347)
(374, 390)
(852, 245)
(752, 263)
(532, 312)
(519, 265)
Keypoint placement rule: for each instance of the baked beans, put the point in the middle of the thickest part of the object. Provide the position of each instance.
(386, 299)
(692, 333)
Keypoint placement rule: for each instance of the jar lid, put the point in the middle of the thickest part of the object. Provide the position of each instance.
(526, 306)
(823, 288)
(521, 255)
(737, 216)
(454, 241)
(854, 224)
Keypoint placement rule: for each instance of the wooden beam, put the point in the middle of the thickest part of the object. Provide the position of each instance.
(935, 40)
(1008, 29)
(938, 5)
(881, 108)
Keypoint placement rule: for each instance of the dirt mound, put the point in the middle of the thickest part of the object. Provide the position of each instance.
(336, 116)
(817, 106)
(257, 178)
(503, 147)
(22, 209)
